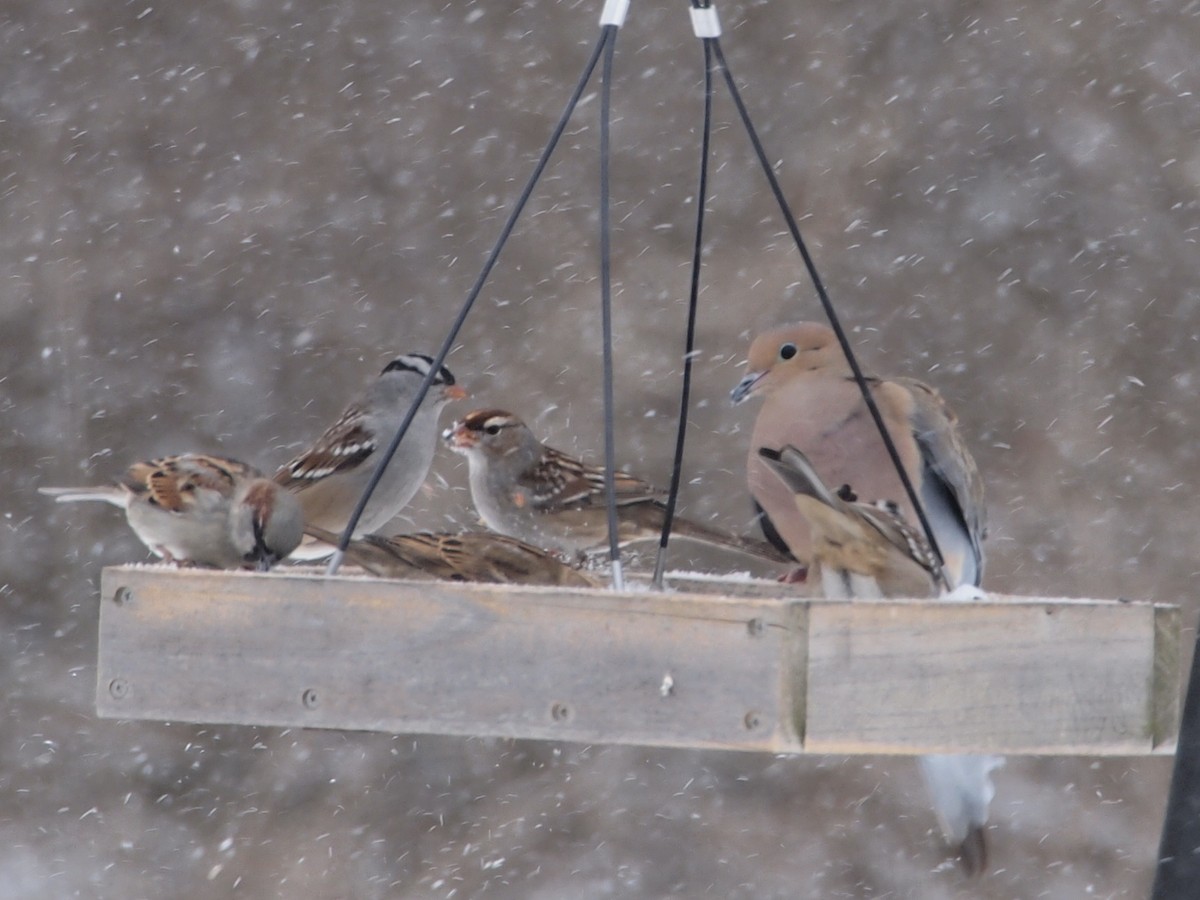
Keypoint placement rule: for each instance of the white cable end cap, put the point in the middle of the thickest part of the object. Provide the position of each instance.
(705, 22)
(614, 12)
(617, 576)
(335, 562)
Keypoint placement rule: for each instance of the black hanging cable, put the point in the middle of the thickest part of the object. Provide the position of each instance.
(610, 474)
(859, 379)
(693, 298)
(440, 358)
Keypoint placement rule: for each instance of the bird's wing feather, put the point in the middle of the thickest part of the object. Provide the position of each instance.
(952, 479)
(345, 445)
(558, 481)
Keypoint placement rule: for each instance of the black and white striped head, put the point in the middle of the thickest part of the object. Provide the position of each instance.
(406, 372)
(420, 364)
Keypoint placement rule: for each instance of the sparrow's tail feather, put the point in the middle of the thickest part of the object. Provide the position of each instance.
(107, 494)
(322, 534)
(797, 473)
(681, 527)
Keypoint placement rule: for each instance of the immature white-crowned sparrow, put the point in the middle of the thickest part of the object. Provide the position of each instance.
(856, 550)
(204, 510)
(529, 491)
(329, 477)
(471, 556)
(811, 401)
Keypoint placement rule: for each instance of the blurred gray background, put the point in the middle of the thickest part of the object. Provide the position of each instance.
(221, 219)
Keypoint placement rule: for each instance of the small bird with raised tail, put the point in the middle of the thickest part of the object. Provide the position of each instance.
(202, 510)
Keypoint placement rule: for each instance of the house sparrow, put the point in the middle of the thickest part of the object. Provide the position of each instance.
(529, 491)
(202, 510)
(330, 476)
(472, 556)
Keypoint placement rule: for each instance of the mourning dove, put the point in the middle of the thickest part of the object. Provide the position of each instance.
(856, 550)
(471, 556)
(202, 510)
(330, 476)
(529, 491)
(811, 401)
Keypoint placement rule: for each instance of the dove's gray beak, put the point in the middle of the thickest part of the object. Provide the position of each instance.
(746, 386)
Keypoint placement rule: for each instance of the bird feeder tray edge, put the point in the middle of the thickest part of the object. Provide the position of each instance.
(692, 667)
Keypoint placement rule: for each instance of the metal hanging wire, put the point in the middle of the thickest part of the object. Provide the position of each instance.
(709, 12)
(440, 357)
(1176, 874)
(610, 22)
(707, 27)
(689, 348)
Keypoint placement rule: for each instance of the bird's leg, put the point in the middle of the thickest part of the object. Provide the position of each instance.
(798, 575)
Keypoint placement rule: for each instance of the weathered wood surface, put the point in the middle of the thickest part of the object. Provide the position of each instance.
(781, 674)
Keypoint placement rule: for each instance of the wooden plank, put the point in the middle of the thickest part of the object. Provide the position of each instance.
(1168, 666)
(1055, 677)
(359, 653)
(780, 674)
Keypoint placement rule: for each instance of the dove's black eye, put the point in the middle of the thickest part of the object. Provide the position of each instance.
(492, 429)
(787, 351)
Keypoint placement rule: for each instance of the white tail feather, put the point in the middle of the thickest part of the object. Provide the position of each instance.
(108, 494)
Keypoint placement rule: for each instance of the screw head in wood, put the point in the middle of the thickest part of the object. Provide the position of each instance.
(751, 720)
(560, 712)
(118, 688)
(309, 698)
(122, 596)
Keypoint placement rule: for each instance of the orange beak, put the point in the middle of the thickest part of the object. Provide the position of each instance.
(456, 436)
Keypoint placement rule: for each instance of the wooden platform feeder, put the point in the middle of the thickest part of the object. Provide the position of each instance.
(689, 668)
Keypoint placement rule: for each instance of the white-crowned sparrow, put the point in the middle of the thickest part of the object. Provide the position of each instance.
(481, 556)
(199, 509)
(329, 477)
(812, 402)
(856, 550)
(529, 491)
